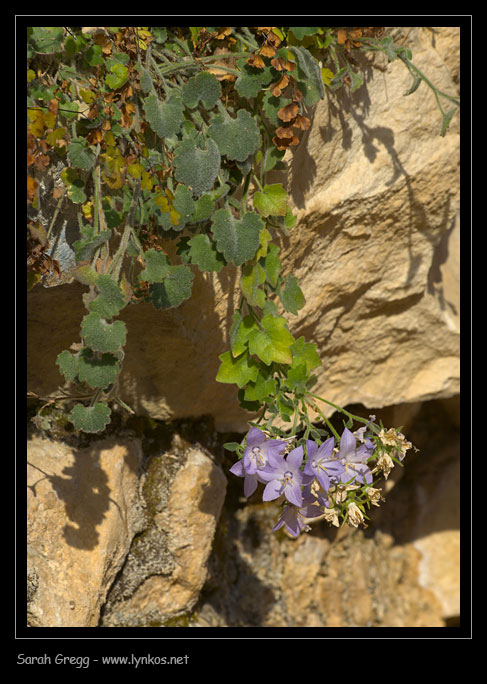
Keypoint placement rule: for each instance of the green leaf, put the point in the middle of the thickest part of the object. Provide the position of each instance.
(46, 39)
(110, 300)
(253, 275)
(231, 446)
(117, 77)
(301, 31)
(85, 247)
(102, 336)
(239, 371)
(271, 105)
(80, 154)
(308, 75)
(157, 267)
(203, 253)
(272, 201)
(251, 79)
(290, 219)
(305, 352)
(184, 205)
(145, 79)
(95, 371)
(273, 342)
(76, 192)
(272, 265)
(92, 418)
(197, 168)
(204, 88)
(175, 288)
(236, 239)
(68, 365)
(297, 377)
(93, 55)
(240, 333)
(291, 296)
(236, 138)
(203, 209)
(264, 386)
(165, 118)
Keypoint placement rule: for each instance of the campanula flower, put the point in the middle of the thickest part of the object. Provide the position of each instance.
(322, 464)
(354, 460)
(284, 476)
(257, 450)
(255, 458)
(294, 518)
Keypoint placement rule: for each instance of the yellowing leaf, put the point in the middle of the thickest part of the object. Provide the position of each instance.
(326, 75)
(174, 217)
(37, 122)
(55, 135)
(87, 96)
(147, 181)
(135, 170)
(163, 203)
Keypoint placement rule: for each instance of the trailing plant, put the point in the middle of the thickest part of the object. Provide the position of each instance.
(162, 139)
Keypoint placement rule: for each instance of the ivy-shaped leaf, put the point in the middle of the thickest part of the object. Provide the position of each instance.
(76, 192)
(292, 297)
(68, 365)
(305, 352)
(203, 253)
(251, 79)
(253, 275)
(272, 201)
(174, 289)
(204, 88)
(157, 267)
(97, 371)
(91, 418)
(80, 155)
(195, 167)
(203, 209)
(273, 342)
(165, 118)
(240, 332)
(236, 239)
(272, 265)
(110, 300)
(102, 336)
(263, 387)
(117, 77)
(238, 371)
(236, 138)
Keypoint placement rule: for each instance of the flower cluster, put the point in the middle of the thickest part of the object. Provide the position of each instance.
(319, 480)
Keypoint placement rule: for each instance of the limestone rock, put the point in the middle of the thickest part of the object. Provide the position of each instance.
(375, 249)
(82, 515)
(166, 568)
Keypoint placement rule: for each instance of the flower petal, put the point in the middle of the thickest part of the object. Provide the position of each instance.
(250, 485)
(293, 494)
(295, 457)
(238, 469)
(272, 490)
(347, 443)
(255, 437)
(326, 449)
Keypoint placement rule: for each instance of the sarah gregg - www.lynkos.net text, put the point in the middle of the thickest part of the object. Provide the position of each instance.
(83, 662)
